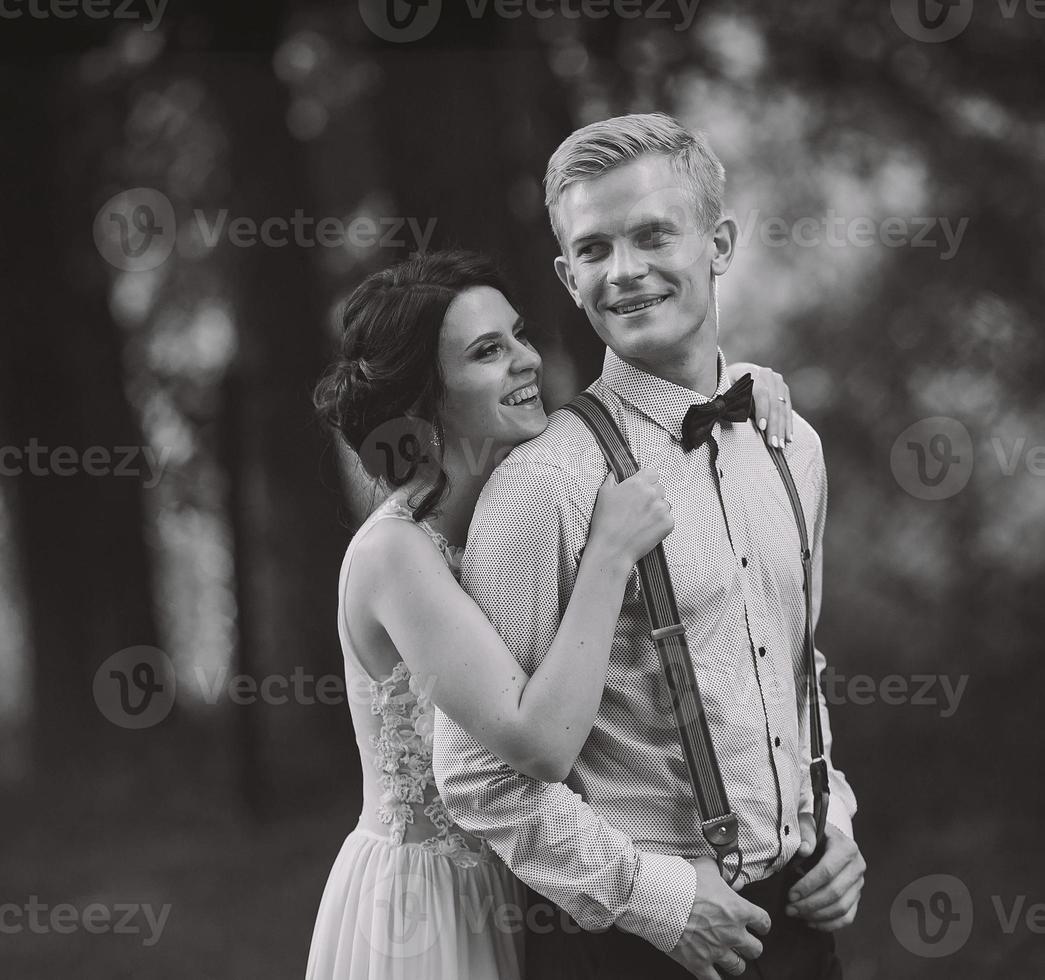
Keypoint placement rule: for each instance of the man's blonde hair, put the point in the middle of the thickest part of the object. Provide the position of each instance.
(601, 146)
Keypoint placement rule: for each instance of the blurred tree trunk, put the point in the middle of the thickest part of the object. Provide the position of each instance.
(81, 537)
(471, 126)
(286, 540)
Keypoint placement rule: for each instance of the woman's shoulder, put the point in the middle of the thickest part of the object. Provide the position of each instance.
(389, 533)
(392, 543)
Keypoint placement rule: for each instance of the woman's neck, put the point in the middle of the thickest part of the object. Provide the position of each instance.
(453, 513)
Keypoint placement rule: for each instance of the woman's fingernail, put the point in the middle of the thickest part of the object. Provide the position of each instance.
(776, 442)
(762, 424)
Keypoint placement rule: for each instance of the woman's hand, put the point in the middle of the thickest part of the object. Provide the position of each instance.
(630, 518)
(772, 401)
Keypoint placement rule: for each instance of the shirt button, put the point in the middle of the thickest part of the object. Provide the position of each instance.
(787, 829)
(776, 741)
(761, 651)
(720, 473)
(743, 561)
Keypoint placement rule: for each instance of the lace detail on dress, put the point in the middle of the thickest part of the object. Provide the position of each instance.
(403, 757)
(403, 747)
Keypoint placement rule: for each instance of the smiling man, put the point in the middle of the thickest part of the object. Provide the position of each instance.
(636, 205)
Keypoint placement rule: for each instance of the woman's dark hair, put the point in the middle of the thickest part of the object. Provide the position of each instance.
(387, 366)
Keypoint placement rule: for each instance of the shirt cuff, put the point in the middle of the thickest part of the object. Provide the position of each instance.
(838, 816)
(661, 899)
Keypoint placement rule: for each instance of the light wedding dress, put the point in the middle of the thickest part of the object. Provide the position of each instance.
(411, 896)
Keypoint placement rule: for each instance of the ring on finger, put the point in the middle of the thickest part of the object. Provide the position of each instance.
(735, 966)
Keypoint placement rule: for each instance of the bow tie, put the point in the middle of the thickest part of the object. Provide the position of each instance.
(733, 406)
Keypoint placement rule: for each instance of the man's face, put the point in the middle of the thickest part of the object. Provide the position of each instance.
(637, 260)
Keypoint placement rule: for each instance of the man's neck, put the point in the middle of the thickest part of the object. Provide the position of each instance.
(698, 371)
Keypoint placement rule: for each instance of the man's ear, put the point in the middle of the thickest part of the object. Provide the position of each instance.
(562, 270)
(723, 245)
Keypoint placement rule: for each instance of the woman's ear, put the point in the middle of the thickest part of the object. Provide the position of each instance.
(565, 274)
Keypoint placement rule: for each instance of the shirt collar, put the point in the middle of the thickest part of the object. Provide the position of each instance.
(660, 401)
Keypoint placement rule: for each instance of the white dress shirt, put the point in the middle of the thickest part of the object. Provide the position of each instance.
(610, 845)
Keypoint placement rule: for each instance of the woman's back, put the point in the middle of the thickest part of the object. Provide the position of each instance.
(410, 895)
(392, 711)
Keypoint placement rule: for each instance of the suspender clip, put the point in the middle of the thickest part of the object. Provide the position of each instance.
(721, 834)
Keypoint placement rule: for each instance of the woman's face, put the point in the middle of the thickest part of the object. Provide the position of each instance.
(492, 377)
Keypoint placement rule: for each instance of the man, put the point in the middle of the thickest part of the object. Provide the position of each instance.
(636, 205)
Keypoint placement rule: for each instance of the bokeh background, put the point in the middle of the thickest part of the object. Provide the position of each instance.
(886, 165)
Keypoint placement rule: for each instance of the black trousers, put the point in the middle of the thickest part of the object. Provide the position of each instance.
(561, 950)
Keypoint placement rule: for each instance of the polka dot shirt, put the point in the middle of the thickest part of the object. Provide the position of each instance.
(610, 844)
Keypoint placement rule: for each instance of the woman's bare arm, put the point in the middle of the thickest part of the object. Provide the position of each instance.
(536, 724)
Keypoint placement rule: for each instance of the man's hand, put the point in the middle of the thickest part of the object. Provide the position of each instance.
(720, 928)
(828, 895)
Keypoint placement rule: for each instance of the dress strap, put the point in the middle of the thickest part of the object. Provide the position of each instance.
(396, 508)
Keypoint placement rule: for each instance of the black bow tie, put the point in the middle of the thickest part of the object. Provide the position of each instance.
(733, 406)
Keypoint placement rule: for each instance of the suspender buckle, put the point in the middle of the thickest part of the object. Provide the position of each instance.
(821, 796)
(663, 632)
(721, 834)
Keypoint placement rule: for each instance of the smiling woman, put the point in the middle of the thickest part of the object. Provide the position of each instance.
(492, 381)
(438, 338)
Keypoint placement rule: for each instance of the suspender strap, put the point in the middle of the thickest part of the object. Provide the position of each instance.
(818, 766)
(719, 825)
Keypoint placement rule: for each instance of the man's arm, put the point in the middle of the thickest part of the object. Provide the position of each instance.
(828, 896)
(521, 560)
(842, 806)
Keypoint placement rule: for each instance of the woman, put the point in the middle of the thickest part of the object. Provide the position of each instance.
(411, 895)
